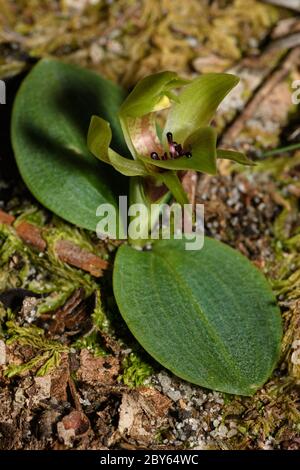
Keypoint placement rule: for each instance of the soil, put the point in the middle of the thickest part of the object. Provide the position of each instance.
(71, 374)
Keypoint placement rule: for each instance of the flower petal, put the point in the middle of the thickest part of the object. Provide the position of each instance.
(99, 138)
(198, 103)
(237, 157)
(125, 166)
(202, 145)
(150, 95)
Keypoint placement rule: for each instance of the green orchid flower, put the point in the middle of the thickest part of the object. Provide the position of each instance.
(187, 141)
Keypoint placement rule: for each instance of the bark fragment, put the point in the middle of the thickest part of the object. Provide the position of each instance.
(72, 254)
(97, 370)
(276, 82)
(6, 218)
(142, 413)
(291, 4)
(31, 234)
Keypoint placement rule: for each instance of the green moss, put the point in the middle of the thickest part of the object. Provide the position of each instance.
(33, 215)
(48, 352)
(11, 245)
(135, 371)
(91, 342)
(42, 273)
(100, 319)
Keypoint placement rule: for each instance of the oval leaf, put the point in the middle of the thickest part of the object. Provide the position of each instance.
(50, 121)
(209, 316)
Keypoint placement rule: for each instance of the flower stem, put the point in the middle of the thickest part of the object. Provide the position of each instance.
(171, 180)
(137, 196)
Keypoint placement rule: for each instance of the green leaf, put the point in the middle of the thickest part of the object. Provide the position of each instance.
(50, 121)
(98, 141)
(209, 316)
(237, 157)
(202, 144)
(198, 103)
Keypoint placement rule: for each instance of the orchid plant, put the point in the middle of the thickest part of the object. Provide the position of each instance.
(208, 316)
(187, 141)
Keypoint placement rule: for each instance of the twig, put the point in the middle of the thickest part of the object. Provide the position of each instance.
(72, 254)
(287, 42)
(74, 394)
(290, 4)
(276, 77)
(31, 234)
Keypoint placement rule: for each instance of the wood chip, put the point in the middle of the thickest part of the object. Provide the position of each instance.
(2, 353)
(72, 254)
(71, 319)
(285, 27)
(6, 218)
(287, 42)
(31, 234)
(211, 63)
(60, 379)
(263, 92)
(142, 412)
(74, 394)
(97, 370)
(72, 426)
(77, 421)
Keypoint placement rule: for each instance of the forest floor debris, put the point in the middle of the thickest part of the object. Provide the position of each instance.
(71, 374)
